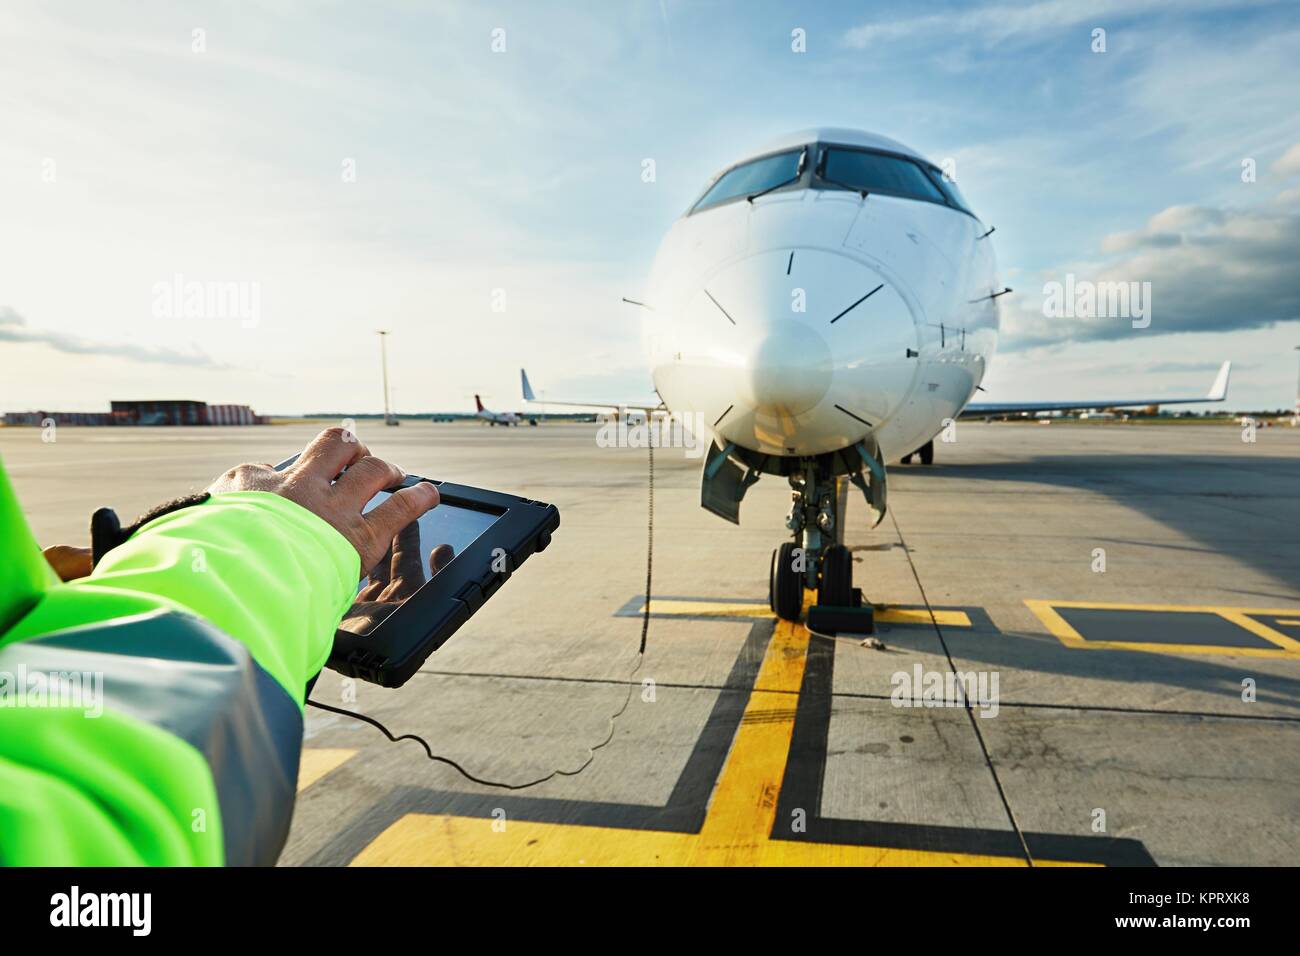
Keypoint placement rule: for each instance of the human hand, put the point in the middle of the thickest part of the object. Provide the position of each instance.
(69, 562)
(398, 575)
(310, 482)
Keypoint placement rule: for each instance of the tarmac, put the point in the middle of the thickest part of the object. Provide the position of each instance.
(1127, 599)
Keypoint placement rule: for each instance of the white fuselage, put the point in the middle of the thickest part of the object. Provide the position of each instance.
(740, 302)
(497, 418)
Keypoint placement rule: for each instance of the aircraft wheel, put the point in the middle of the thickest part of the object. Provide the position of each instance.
(785, 584)
(836, 586)
(927, 453)
(905, 460)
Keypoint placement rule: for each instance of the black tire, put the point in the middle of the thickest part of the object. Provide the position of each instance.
(785, 584)
(905, 460)
(771, 581)
(836, 586)
(927, 453)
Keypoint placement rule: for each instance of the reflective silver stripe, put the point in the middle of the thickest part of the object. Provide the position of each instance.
(181, 674)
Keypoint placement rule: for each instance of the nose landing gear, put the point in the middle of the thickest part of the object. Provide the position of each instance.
(816, 560)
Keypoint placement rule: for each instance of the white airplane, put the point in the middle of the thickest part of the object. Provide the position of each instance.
(498, 418)
(827, 305)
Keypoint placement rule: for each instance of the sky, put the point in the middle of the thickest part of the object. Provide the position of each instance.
(470, 178)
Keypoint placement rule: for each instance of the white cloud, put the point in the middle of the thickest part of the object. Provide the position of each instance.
(1210, 270)
(14, 328)
(1289, 164)
(998, 23)
(1169, 227)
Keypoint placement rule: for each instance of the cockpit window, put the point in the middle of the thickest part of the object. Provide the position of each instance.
(753, 177)
(837, 167)
(949, 189)
(877, 173)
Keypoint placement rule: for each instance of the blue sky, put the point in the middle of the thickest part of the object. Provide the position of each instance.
(520, 171)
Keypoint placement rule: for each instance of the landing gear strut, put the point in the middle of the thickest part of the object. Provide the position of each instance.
(816, 560)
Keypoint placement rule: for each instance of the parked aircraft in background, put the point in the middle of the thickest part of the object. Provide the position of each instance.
(499, 418)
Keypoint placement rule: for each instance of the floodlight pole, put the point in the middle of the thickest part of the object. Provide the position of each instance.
(383, 360)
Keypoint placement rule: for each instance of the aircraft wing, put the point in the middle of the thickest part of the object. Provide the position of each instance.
(642, 406)
(1218, 392)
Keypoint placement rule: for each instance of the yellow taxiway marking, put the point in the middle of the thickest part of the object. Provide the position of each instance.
(1287, 623)
(920, 615)
(316, 762)
(1286, 647)
(889, 615)
(736, 829)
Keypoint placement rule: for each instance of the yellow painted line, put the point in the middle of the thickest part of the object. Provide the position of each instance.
(316, 762)
(706, 609)
(890, 615)
(1173, 608)
(743, 807)
(1286, 648)
(920, 615)
(736, 828)
(1260, 629)
(419, 839)
(1059, 863)
(1288, 623)
(425, 840)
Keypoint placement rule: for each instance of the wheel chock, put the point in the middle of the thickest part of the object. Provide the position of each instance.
(828, 619)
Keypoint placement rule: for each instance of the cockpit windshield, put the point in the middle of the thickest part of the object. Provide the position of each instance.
(837, 167)
(753, 177)
(877, 173)
(949, 187)
(871, 172)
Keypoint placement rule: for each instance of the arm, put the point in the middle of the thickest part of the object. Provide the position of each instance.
(190, 646)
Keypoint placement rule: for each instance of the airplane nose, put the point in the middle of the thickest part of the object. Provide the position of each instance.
(789, 369)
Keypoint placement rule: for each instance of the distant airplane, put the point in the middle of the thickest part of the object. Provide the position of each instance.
(829, 304)
(499, 418)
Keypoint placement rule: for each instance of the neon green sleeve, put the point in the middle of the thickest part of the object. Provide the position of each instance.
(203, 630)
(264, 570)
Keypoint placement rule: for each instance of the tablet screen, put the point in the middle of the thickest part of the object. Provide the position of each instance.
(418, 552)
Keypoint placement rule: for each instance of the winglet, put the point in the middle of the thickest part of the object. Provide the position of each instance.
(528, 389)
(1219, 390)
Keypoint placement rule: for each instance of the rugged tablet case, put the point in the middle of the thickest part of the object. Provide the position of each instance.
(396, 648)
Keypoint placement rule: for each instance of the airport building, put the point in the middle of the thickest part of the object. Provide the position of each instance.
(231, 415)
(160, 413)
(183, 412)
(40, 418)
(164, 412)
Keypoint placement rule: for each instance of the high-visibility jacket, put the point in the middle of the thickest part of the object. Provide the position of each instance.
(152, 713)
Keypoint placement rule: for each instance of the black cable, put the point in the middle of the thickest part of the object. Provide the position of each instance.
(649, 545)
(447, 760)
(970, 711)
(591, 751)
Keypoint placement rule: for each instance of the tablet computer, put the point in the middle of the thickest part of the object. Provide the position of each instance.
(439, 570)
